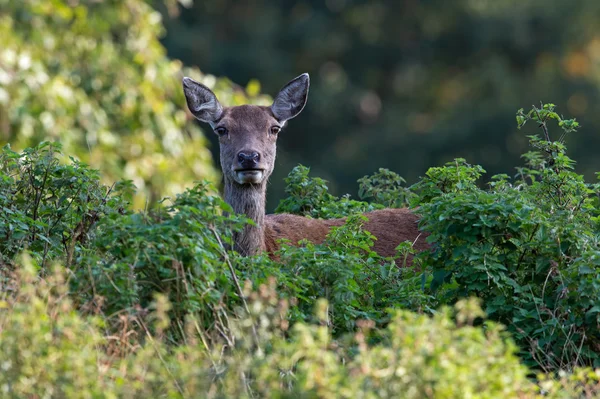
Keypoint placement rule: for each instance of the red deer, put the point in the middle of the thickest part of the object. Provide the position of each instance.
(248, 139)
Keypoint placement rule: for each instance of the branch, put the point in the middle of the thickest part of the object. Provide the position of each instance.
(237, 285)
(543, 125)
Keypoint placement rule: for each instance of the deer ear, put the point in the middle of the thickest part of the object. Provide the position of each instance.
(201, 101)
(291, 98)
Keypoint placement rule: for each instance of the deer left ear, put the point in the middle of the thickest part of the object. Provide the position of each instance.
(202, 101)
(291, 98)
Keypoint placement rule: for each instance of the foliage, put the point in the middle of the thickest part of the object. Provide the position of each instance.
(94, 76)
(156, 304)
(356, 281)
(416, 356)
(177, 251)
(385, 188)
(51, 208)
(455, 177)
(310, 197)
(119, 258)
(328, 318)
(47, 348)
(39, 327)
(528, 247)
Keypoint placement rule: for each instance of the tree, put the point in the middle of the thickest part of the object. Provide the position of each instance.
(94, 76)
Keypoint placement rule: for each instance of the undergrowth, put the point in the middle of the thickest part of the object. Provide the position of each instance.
(156, 305)
(528, 246)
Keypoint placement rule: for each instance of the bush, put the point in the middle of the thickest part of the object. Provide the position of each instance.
(333, 318)
(310, 197)
(49, 350)
(528, 247)
(51, 208)
(119, 258)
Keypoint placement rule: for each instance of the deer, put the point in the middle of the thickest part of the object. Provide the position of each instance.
(248, 137)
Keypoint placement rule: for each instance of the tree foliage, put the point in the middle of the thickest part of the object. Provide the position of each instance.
(94, 76)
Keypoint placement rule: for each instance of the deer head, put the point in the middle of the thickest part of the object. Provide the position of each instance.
(247, 133)
(247, 142)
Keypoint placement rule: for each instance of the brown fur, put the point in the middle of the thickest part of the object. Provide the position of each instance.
(249, 129)
(389, 226)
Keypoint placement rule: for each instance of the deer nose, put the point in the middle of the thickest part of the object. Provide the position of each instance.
(248, 160)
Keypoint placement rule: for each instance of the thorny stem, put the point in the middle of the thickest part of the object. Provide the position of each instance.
(237, 285)
(38, 198)
(154, 346)
(543, 125)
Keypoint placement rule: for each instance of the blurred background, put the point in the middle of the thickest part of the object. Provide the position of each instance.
(400, 84)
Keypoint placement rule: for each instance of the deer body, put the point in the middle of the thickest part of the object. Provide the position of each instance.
(247, 141)
(389, 226)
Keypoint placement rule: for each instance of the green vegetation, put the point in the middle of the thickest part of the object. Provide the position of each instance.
(111, 302)
(528, 246)
(94, 76)
(101, 299)
(49, 350)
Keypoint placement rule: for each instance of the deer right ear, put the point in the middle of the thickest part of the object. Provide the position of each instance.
(201, 101)
(291, 98)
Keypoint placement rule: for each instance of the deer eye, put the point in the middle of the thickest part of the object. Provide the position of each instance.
(221, 131)
(275, 129)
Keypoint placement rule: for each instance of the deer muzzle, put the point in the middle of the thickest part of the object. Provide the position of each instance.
(249, 176)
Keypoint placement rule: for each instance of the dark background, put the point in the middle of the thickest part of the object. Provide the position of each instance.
(404, 84)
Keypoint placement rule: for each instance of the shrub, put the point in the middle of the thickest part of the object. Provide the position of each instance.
(49, 350)
(49, 207)
(385, 188)
(528, 247)
(119, 259)
(310, 197)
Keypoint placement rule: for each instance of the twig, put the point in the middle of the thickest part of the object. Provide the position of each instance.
(165, 364)
(543, 125)
(237, 285)
(38, 198)
(579, 351)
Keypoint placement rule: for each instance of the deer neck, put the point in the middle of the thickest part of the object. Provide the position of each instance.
(248, 200)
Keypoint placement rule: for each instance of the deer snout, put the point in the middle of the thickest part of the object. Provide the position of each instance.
(248, 169)
(248, 160)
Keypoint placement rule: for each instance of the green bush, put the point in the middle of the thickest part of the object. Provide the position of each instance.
(49, 350)
(327, 319)
(310, 197)
(528, 246)
(51, 208)
(119, 258)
